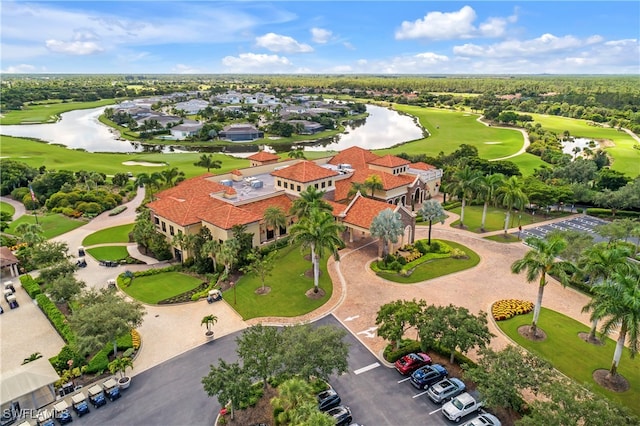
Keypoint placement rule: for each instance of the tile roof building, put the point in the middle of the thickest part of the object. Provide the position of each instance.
(240, 197)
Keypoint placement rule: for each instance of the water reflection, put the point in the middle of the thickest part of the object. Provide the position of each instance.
(81, 129)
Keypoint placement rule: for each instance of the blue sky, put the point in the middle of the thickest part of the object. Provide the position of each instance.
(332, 37)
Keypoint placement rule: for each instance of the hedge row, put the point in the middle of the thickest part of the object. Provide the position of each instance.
(100, 361)
(607, 213)
(30, 286)
(56, 318)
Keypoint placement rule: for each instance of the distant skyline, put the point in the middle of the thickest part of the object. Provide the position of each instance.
(320, 37)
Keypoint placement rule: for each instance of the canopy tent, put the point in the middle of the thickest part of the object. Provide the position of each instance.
(30, 384)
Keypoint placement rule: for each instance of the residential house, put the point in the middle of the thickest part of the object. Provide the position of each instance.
(241, 132)
(261, 158)
(183, 131)
(192, 106)
(306, 127)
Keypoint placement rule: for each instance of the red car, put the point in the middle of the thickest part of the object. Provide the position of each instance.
(411, 362)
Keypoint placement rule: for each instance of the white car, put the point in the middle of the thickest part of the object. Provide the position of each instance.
(484, 419)
(460, 406)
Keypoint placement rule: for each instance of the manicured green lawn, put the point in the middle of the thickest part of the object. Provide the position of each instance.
(47, 113)
(436, 267)
(37, 154)
(574, 357)
(288, 283)
(501, 238)
(52, 224)
(527, 163)
(496, 216)
(6, 207)
(116, 234)
(109, 253)
(626, 159)
(154, 288)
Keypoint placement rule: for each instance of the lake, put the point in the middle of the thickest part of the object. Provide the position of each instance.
(80, 129)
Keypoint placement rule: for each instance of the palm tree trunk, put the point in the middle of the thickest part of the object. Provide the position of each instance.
(617, 354)
(536, 309)
(115, 348)
(592, 332)
(506, 222)
(429, 241)
(464, 202)
(484, 215)
(316, 275)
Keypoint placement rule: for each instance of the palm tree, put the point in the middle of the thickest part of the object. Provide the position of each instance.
(228, 254)
(432, 210)
(206, 160)
(617, 301)
(373, 183)
(30, 233)
(319, 232)
(211, 248)
(487, 191)
(150, 181)
(209, 321)
(600, 263)
(120, 365)
(275, 217)
(539, 262)
(310, 199)
(464, 184)
(511, 195)
(297, 154)
(388, 227)
(355, 188)
(168, 175)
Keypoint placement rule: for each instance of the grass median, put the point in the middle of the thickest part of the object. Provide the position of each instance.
(52, 224)
(116, 234)
(152, 289)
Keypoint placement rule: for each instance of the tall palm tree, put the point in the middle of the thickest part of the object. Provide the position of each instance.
(319, 232)
(540, 261)
(211, 248)
(206, 160)
(275, 217)
(487, 187)
(432, 210)
(150, 182)
(388, 227)
(169, 174)
(511, 195)
(310, 199)
(600, 263)
(228, 254)
(617, 302)
(30, 233)
(464, 182)
(373, 183)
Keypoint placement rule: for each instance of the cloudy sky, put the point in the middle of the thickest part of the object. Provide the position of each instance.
(337, 37)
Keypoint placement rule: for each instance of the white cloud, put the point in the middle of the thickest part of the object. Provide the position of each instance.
(453, 25)
(19, 69)
(348, 46)
(341, 69)
(279, 43)
(545, 44)
(256, 62)
(185, 69)
(320, 36)
(78, 48)
(426, 62)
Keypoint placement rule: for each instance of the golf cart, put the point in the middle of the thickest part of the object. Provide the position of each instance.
(80, 404)
(45, 418)
(214, 296)
(63, 416)
(11, 299)
(111, 389)
(111, 283)
(96, 396)
(8, 285)
(81, 262)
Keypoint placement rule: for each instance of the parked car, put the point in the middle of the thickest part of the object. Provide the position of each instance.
(425, 376)
(341, 414)
(445, 389)
(328, 399)
(80, 404)
(484, 419)
(62, 414)
(111, 389)
(460, 406)
(411, 362)
(96, 396)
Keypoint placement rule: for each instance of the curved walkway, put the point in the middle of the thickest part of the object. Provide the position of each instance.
(525, 135)
(18, 206)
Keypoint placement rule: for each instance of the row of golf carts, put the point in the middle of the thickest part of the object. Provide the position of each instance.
(97, 396)
(9, 296)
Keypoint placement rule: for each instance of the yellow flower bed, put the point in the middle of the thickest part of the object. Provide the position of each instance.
(135, 339)
(508, 308)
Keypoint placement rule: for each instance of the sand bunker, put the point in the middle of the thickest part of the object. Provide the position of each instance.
(492, 143)
(143, 163)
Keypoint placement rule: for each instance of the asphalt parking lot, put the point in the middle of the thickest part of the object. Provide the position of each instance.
(171, 393)
(582, 223)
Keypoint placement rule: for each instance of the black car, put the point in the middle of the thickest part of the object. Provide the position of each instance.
(425, 376)
(341, 414)
(328, 399)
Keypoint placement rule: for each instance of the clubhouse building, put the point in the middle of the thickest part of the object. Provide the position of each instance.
(240, 197)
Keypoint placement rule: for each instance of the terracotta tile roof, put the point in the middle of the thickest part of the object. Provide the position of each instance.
(356, 156)
(183, 203)
(421, 166)
(7, 257)
(389, 181)
(257, 208)
(362, 211)
(304, 171)
(227, 215)
(337, 207)
(263, 156)
(390, 161)
(343, 187)
(236, 172)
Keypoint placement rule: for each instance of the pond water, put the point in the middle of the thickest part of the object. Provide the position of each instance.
(568, 146)
(81, 129)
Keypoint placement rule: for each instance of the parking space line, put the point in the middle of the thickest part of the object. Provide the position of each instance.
(420, 394)
(403, 380)
(367, 368)
(435, 411)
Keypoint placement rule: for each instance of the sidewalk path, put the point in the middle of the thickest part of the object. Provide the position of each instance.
(18, 206)
(525, 135)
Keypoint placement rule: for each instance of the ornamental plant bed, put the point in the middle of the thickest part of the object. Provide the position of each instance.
(508, 308)
(186, 296)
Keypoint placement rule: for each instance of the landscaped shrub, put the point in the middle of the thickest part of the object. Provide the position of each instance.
(56, 318)
(61, 361)
(422, 246)
(458, 358)
(186, 296)
(434, 247)
(607, 213)
(458, 254)
(135, 339)
(508, 308)
(407, 346)
(117, 210)
(30, 286)
(100, 362)
(450, 205)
